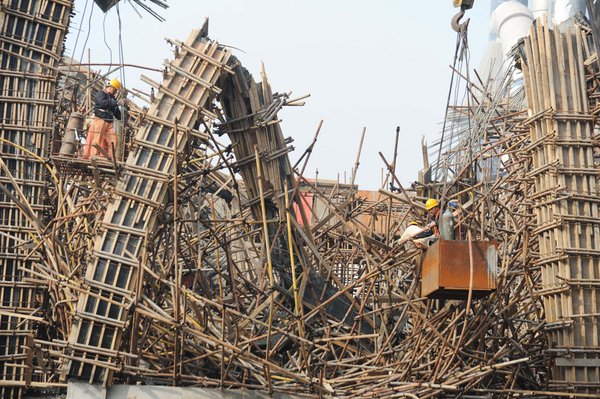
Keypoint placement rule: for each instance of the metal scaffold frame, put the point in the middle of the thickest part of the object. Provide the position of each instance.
(206, 258)
(31, 42)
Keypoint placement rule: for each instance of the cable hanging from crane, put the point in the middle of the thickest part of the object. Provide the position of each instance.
(461, 60)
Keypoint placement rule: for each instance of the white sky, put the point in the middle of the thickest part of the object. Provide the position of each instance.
(378, 64)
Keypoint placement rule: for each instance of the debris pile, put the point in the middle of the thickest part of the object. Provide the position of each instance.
(205, 258)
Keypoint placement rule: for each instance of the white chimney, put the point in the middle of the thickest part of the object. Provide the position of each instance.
(564, 10)
(540, 8)
(511, 21)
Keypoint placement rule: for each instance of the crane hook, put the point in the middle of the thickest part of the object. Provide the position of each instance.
(456, 25)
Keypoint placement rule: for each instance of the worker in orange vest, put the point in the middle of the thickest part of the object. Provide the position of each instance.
(101, 138)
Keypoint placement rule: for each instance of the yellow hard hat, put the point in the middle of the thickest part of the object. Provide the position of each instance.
(114, 83)
(413, 223)
(431, 203)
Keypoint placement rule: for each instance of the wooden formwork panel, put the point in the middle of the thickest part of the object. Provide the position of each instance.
(11, 216)
(565, 202)
(41, 24)
(252, 109)
(183, 98)
(31, 39)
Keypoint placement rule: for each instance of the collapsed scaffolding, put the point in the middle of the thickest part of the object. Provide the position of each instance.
(200, 263)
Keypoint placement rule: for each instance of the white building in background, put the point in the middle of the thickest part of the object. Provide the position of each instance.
(510, 20)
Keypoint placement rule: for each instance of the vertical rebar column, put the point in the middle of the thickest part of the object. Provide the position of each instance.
(565, 202)
(31, 43)
(183, 100)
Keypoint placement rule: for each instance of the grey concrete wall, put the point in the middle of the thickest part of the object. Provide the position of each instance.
(81, 390)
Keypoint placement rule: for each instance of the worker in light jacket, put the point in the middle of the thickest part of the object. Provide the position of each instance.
(423, 236)
(101, 138)
(418, 235)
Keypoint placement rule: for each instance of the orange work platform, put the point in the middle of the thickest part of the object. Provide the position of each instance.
(445, 272)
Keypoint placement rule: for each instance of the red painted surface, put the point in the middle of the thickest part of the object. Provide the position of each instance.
(306, 202)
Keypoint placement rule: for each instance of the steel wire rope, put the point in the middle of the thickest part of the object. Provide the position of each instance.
(63, 94)
(79, 66)
(122, 75)
(456, 50)
(469, 139)
(456, 120)
(461, 56)
(468, 94)
(452, 118)
(50, 173)
(121, 52)
(110, 61)
(89, 28)
(87, 37)
(64, 91)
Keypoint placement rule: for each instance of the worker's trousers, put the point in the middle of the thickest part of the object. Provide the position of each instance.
(101, 139)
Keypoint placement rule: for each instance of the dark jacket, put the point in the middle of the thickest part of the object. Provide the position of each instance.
(106, 106)
(434, 230)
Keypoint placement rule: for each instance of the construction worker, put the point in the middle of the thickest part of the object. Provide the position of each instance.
(434, 210)
(101, 138)
(422, 237)
(418, 235)
(432, 206)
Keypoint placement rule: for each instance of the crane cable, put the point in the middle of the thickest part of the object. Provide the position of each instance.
(121, 52)
(78, 69)
(461, 55)
(110, 60)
